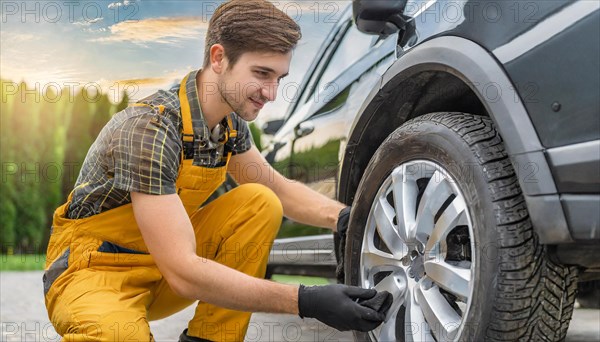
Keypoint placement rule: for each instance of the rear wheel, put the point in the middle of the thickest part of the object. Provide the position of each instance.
(439, 221)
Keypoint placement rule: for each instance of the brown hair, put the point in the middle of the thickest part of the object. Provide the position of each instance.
(250, 26)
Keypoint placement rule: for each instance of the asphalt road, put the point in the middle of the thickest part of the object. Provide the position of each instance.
(23, 318)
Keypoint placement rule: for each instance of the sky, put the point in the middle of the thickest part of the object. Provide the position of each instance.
(135, 45)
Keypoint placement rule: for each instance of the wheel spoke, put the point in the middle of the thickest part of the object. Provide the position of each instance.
(375, 258)
(441, 317)
(451, 278)
(395, 284)
(405, 192)
(453, 215)
(415, 326)
(436, 193)
(384, 216)
(387, 330)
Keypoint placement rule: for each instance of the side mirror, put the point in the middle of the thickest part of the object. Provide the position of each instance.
(271, 127)
(304, 128)
(380, 17)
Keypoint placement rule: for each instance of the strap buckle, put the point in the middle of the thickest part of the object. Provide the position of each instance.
(188, 146)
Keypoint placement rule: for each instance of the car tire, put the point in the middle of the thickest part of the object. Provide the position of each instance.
(514, 291)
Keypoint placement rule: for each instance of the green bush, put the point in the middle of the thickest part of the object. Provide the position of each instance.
(44, 139)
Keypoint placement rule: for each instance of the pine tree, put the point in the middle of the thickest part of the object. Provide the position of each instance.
(102, 115)
(51, 158)
(124, 102)
(78, 140)
(8, 212)
(28, 199)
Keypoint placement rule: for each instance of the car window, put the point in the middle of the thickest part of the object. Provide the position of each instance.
(353, 46)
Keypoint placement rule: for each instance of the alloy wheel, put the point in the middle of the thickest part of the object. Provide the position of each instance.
(418, 245)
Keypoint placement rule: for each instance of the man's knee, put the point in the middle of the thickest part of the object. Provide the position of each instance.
(264, 202)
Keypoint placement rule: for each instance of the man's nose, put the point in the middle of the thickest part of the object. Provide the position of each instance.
(269, 91)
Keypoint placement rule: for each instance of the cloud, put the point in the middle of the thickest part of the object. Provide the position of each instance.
(138, 88)
(15, 38)
(119, 4)
(150, 81)
(41, 73)
(92, 30)
(88, 22)
(165, 78)
(164, 30)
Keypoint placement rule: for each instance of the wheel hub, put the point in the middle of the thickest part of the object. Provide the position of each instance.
(415, 268)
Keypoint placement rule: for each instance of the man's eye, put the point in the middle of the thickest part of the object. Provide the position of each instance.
(262, 73)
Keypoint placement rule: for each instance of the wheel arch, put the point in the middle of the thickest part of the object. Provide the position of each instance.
(456, 74)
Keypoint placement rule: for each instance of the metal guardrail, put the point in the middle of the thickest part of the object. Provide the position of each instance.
(307, 255)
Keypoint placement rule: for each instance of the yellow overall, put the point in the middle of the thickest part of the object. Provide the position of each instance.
(110, 294)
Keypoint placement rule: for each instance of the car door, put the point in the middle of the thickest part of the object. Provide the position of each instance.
(319, 124)
(307, 146)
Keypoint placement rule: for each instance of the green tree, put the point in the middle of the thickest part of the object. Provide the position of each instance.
(78, 139)
(102, 115)
(51, 159)
(8, 212)
(25, 145)
(8, 216)
(124, 102)
(44, 139)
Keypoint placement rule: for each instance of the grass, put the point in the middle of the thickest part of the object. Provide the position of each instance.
(295, 280)
(293, 229)
(22, 262)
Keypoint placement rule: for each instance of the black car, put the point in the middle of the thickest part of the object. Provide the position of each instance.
(466, 137)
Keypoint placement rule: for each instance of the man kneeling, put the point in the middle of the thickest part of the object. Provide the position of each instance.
(133, 242)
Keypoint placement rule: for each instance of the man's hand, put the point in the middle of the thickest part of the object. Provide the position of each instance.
(339, 306)
(342, 227)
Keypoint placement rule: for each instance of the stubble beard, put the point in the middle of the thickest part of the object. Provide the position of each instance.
(232, 101)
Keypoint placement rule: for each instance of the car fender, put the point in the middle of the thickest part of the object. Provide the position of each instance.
(485, 76)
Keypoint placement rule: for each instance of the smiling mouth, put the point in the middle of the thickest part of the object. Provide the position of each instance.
(258, 104)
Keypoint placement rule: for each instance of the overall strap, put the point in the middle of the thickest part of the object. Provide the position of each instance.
(232, 132)
(186, 118)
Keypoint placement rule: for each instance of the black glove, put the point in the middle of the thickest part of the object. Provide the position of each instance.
(342, 227)
(337, 306)
(381, 302)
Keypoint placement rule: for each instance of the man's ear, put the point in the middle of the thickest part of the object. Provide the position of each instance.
(218, 61)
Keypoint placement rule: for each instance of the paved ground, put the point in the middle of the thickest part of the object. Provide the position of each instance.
(23, 318)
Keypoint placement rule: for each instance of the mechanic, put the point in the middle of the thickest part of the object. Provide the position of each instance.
(133, 242)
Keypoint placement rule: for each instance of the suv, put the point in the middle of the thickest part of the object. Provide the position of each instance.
(468, 136)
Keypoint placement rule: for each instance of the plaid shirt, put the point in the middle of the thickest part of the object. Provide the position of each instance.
(139, 150)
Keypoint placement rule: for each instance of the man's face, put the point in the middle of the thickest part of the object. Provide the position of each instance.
(253, 81)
